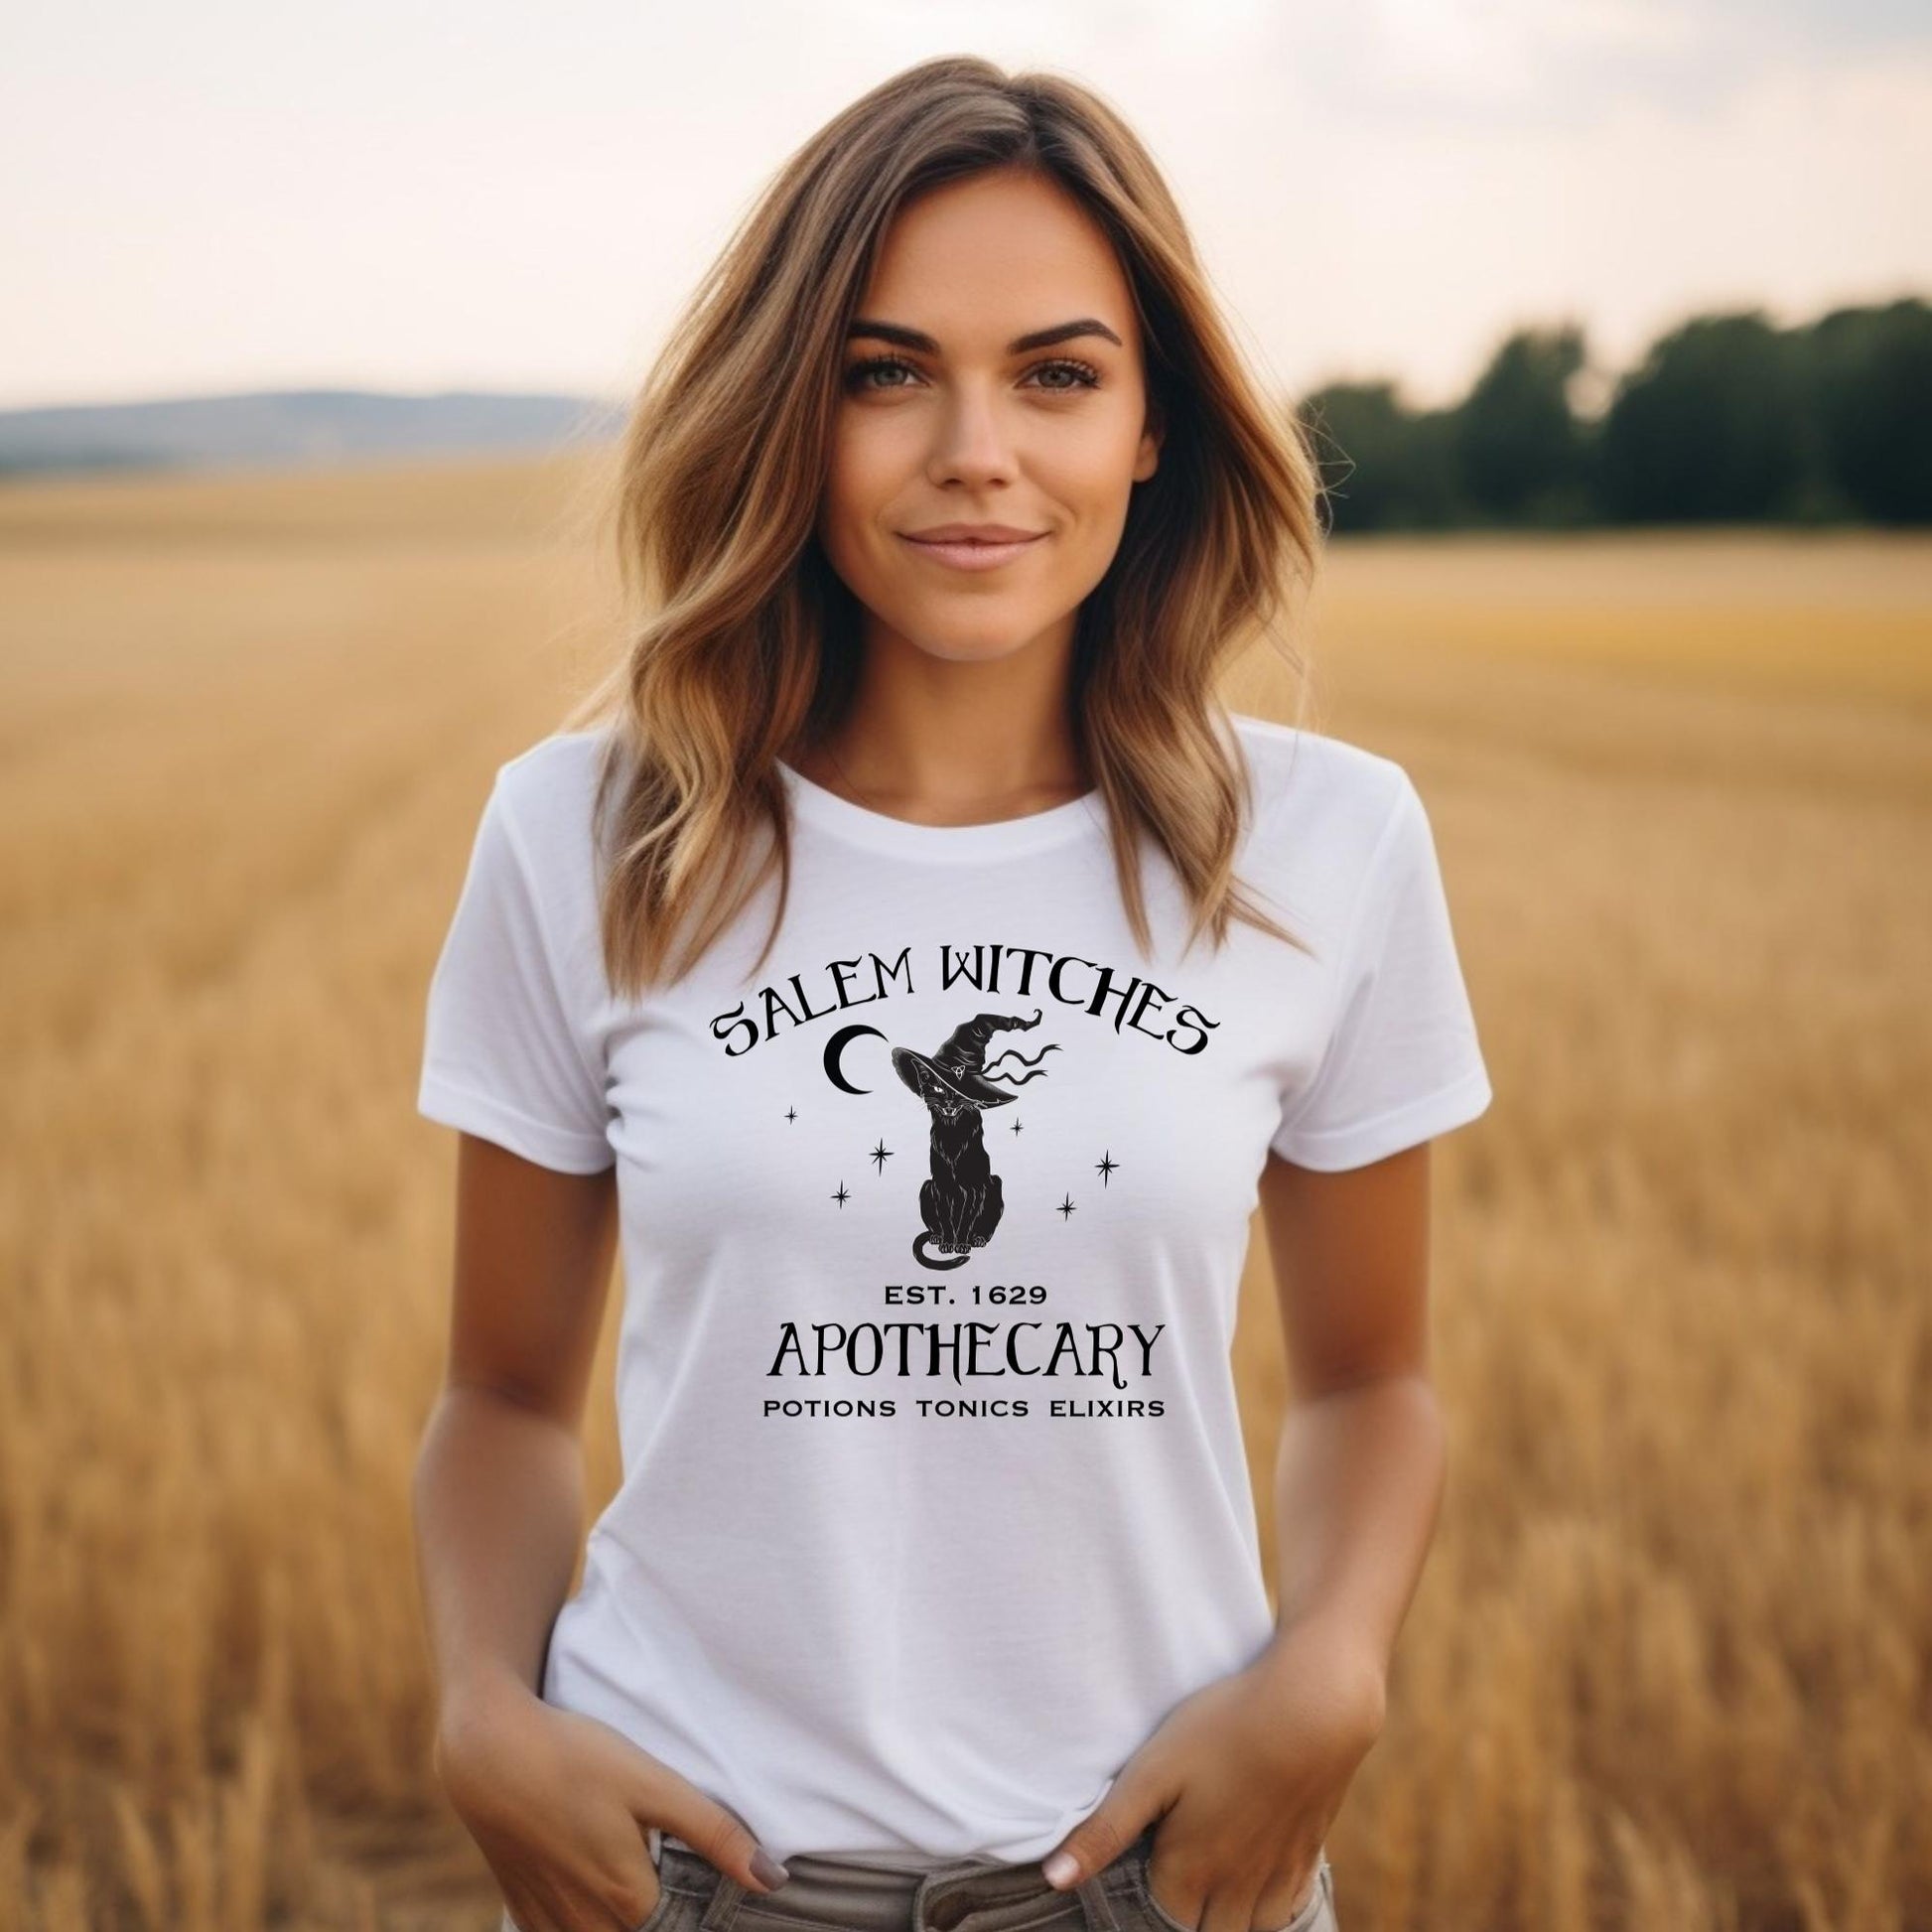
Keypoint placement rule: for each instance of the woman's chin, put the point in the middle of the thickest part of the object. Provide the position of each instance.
(979, 644)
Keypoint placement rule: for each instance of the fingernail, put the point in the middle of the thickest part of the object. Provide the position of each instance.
(768, 1871)
(1061, 1868)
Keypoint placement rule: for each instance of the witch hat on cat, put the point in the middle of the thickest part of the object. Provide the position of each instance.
(952, 1078)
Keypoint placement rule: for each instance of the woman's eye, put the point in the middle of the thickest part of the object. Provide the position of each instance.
(1079, 375)
(878, 365)
(1084, 374)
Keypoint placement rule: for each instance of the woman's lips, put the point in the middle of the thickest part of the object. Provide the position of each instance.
(971, 556)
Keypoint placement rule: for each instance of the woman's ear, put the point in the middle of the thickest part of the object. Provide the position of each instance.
(1148, 458)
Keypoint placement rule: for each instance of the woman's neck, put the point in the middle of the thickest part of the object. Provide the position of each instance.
(951, 740)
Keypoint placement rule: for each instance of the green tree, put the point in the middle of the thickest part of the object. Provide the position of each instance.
(1709, 428)
(1519, 449)
(1383, 466)
(1868, 377)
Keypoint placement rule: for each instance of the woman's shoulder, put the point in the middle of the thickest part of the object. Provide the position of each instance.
(563, 756)
(1307, 783)
(547, 789)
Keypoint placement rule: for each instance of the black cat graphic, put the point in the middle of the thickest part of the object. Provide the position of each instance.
(962, 1200)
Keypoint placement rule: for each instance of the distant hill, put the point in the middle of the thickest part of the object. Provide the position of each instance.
(285, 427)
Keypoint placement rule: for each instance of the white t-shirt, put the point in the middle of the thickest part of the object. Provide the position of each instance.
(934, 1499)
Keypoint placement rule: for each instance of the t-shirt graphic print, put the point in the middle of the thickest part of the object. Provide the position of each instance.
(961, 1199)
(934, 1498)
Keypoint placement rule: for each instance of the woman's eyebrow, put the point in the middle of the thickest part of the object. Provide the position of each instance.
(903, 337)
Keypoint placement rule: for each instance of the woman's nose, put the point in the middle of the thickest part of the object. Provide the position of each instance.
(972, 443)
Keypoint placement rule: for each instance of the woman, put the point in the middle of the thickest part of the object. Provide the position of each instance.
(931, 1591)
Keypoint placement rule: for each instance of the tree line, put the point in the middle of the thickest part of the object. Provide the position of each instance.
(1726, 418)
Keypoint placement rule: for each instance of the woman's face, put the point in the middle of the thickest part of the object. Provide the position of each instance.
(945, 420)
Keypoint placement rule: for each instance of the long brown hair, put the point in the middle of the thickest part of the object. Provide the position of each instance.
(742, 640)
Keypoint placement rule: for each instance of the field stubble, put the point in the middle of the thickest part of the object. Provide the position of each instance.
(1669, 1662)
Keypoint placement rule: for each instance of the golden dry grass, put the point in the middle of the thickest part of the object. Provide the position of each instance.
(1668, 1666)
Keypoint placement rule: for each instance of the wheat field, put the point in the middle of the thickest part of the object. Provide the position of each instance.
(1669, 1663)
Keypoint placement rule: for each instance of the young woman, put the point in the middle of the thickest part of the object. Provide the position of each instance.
(881, 959)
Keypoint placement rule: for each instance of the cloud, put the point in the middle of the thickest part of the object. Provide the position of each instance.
(1556, 63)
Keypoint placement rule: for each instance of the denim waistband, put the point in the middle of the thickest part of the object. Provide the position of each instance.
(855, 1897)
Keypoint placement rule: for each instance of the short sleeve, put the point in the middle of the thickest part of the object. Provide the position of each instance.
(502, 1057)
(1402, 1062)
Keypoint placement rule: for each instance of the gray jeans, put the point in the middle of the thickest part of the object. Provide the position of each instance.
(965, 1896)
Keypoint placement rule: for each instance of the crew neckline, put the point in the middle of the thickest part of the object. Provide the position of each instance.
(997, 838)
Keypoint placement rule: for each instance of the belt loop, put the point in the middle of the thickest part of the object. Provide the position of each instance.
(1094, 1902)
(916, 1920)
(721, 1909)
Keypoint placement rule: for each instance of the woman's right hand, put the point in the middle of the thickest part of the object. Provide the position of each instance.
(559, 1804)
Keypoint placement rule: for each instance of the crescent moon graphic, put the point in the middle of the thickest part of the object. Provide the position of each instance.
(835, 1047)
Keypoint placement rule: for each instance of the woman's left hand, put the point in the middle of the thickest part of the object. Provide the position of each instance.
(1248, 1775)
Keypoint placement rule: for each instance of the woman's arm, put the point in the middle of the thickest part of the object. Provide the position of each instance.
(558, 1802)
(499, 1479)
(1247, 1775)
(1360, 1470)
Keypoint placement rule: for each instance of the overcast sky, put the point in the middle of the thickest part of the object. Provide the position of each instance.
(222, 195)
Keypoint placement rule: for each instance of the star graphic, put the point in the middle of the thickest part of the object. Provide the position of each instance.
(881, 1153)
(1016, 1124)
(792, 1113)
(1065, 1207)
(1105, 1167)
(841, 1196)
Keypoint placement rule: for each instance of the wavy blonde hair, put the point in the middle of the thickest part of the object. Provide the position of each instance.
(743, 645)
